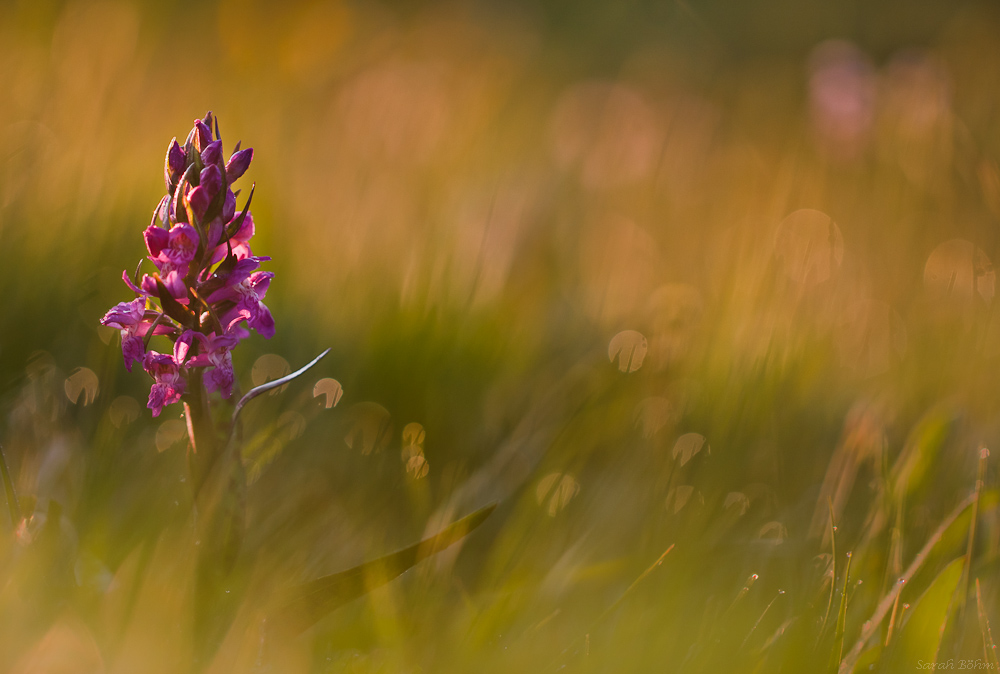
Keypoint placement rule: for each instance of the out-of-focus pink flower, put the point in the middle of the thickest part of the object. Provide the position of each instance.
(842, 92)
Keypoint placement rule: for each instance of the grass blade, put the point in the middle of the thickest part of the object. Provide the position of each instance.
(919, 640)
(984, 454)
(837, 654)
(989, 647)
(895, 612)
(8, 484)
(315, 599)
(264, 388)
(885, 604)
(760, 619)
(833, 570)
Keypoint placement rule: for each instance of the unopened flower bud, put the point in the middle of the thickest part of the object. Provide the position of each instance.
(199, 200)
(211, 180)
(156, 238)
(229, 206)
(203, 137)
(174, 164)
(238, 164)
(212, 155)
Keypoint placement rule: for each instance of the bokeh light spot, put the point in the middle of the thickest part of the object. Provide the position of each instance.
(959, 270)
(330, 389)
(292, 424)
(737, 502)
(775, 532)
(417, 466)
(629, 347)
(555, 491)
(170, 433)
(809, 246)
(370, 429)
(652, 414)
(269, 367)
(688, 445)
(81, 386)
(124, 410)
(413, 434)
(679, 497)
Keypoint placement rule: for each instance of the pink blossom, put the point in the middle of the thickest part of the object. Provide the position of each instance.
(127, 317)
(169, 384)
(247, 295)
(215, 356)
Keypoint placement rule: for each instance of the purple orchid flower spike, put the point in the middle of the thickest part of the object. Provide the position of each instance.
(207, 281)
(204, 297)
(207, 291)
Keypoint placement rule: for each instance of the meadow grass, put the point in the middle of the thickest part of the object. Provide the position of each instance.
(687, 310)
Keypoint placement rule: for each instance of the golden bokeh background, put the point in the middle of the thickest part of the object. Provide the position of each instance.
(645, 273)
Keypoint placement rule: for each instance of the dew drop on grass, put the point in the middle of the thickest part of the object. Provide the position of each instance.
(330, 389)
(81, 386)
(629, 348)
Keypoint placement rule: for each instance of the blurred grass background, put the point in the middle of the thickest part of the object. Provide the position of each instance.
(649, 274)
